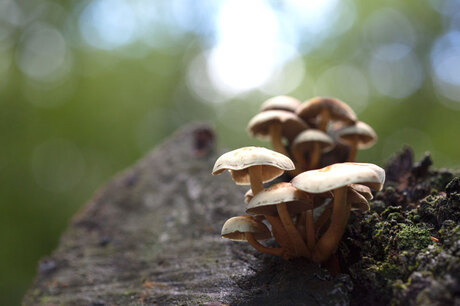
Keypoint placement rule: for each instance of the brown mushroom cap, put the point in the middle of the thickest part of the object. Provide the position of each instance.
(361, 132)
(291, 125)
(338, 110)
(264, 203)
(238, 161)
(285, 103)
(357, 200)
(236, 227)
(305, 140)
(340, 175)
(363, 190)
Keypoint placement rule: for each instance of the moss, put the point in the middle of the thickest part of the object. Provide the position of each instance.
(412, 237)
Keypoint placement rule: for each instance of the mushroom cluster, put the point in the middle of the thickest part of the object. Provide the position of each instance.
(301, 134)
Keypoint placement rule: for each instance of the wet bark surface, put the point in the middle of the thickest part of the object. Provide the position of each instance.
(152, 236)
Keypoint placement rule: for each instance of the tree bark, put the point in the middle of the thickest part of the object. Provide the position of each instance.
(152, 236)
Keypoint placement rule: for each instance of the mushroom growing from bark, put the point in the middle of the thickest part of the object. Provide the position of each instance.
(358, 136)
(336, 177)
(328, 109)
(284, 200)
(276, 124)
(247, 228)
(312, 141)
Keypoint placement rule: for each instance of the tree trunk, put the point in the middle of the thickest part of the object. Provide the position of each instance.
(152, 236)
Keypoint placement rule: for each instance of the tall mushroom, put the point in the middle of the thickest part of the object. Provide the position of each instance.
(285, 103)
(312, 141)
(247, 228)
(358, 136)
(255, 166)
(276, 124)
(336, 177)
(327, 109)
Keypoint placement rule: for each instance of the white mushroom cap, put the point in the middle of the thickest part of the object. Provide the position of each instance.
(363, 190)
(291, 124)
(340, 175)
(360, 131)
(236, 227)
(285, 103)
(304, 141)
(357, 200)
(339, 110)
(264, 203)
(238, 161)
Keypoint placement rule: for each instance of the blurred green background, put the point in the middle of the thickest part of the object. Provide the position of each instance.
(88, 87)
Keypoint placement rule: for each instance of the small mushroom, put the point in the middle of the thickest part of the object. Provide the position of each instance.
(253, 166)
(328, 109)
(363, 190)
(336, 177)
(358, 136)
(248, 196)
(247, 228)
(276, 124)
(285, 103)
(313, 141)
(283, 200)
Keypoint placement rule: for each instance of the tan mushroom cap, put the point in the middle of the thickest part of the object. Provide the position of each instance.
(360, 131)
(305, 140)
(291, 125)
(340, 175)
(363, 190)
(357, 200)
(248, 196)
(285, 103)
(264, 203)
(238, 161)
(339, 110)
(236, 227)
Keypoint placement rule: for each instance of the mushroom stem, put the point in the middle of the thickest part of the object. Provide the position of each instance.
(280, 234)
(255, 177)
(322, 219)
(315, 155)
(310, 226)
(300, 225)
(275, 135)
(299, 245)
(353, 149)
(325, 115)
(328, 243)
(261, 248)
(299, 158)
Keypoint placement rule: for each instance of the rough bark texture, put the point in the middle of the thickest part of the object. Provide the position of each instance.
(152, 236)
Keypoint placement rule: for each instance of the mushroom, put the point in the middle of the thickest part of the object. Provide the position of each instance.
(283, 200)
(336, 177)
(285, 103)
(358, 136)
(328, 109)
(248, 196)
(253, 166)
(275, 124)
(363, 190)
(313, 141)
(247, 228)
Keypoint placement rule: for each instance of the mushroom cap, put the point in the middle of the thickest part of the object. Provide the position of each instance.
(248, 196)
(338, 110)
(357, 200)
(238, 161)
(363, 190)
(360, 132)
(291, 125)
(236, 227)
(340, 175)
(305, 140)
(264, 203)
(285, 103)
